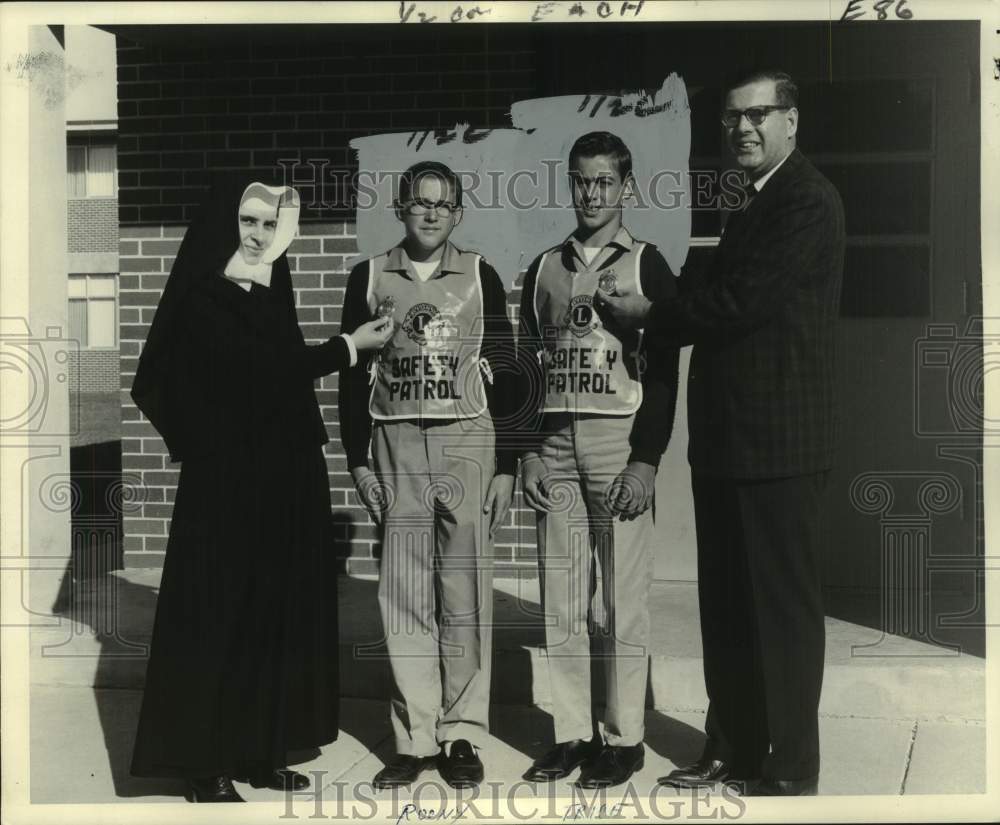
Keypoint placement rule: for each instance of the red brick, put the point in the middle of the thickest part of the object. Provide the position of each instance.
(160, 247)
(318, 263)
(145, 462)
(147, 160)
(163, 478)
(142, 559)
(145, 527)
(139, 232)
(136, 429)
(304, 245)
(346, 245)
(130, 264)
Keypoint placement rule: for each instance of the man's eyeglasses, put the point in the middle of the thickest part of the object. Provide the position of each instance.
(443, 209)
(755, 114)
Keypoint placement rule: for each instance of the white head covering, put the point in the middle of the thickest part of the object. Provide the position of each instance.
(286, 201)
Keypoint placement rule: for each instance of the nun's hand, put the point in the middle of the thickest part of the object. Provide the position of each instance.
(371, 491)
(373, 334)
(627, 311)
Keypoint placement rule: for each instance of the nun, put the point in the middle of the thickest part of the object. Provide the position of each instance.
(243, 665)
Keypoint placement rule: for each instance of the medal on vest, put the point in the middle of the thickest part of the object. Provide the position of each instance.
(608, 282)
(386, 308)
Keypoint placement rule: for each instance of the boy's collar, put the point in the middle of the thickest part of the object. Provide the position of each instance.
(399, 261)
(623, 239)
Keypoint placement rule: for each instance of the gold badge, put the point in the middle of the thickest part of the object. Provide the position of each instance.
(608, 282)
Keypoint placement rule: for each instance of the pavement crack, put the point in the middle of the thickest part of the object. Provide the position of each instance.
(361, 759)
(909, 756)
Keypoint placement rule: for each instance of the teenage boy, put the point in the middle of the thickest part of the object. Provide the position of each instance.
(435, 417)
(605, 419)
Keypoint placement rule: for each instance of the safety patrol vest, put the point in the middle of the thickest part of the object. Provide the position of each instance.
(430, 368)
(588, 367)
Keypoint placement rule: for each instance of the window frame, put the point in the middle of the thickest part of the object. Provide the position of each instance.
(86, 145)
(87, 299)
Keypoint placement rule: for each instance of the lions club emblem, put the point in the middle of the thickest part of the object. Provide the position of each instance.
(427, 326)
(580, 318)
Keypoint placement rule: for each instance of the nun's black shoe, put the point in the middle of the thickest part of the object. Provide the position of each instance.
(212, 789)
(280, 780)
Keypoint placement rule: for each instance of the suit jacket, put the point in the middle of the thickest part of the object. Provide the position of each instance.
(762, 318)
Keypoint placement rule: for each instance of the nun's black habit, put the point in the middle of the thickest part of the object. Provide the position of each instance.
(243, 664)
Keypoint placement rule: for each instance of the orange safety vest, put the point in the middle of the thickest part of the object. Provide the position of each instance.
(588, 367)
(430, 368)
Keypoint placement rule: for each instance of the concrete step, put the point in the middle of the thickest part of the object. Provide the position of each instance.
(102, 639)
(859, 756)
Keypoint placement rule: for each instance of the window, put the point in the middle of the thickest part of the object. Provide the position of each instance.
(91, 170)
(93, 310)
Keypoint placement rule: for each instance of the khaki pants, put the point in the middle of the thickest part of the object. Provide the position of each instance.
(582, 457)
(436, 579)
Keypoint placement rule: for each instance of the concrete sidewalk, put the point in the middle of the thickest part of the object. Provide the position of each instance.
(897, 716)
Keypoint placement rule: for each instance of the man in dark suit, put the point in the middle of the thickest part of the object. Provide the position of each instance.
(761, 416)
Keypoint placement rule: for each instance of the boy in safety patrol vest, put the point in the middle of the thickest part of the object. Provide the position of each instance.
(436, 415)
(606, 415)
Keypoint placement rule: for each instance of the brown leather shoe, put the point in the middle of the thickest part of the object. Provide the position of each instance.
(785, 787)
(563, 759)
(614, 765)
(403, 770)
(706, 771)
(461, 767)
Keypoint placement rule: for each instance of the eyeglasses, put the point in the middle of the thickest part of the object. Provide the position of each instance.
(443, 209)
(755, 114)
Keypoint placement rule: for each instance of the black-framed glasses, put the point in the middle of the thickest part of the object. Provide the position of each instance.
(755, 114)
(442, 209)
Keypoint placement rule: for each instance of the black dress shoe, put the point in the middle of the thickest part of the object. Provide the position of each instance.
(212, 789)
(403, 770)
(279, 779)
(563, 759)
(462, 767)
(614, 765)
(706, 771)
(785, 787)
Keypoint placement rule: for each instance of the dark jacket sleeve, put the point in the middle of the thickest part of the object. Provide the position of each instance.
(352, 402)
(500, 353)
(654, 419)
(529, 364)
(756, 283)
(322, 359)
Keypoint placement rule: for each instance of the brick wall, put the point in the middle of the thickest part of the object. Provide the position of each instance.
(94, 370)
(92, 225)
(247, 102)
